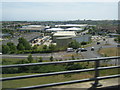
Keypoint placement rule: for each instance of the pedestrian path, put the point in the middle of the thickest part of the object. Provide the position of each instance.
(86, 85)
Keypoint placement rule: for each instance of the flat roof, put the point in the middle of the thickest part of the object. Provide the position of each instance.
(63, 38)
(72, 25)
(74, 28)
(55, 29)
(34, 26)
(65, 33)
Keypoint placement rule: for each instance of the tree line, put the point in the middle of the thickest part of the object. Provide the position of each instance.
(39, 68)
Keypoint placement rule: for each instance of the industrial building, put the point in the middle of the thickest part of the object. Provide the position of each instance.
(63, 38)
(63, 41)
(74, 29)
(54, 29)
(63, 34)
(72, 25)
(32, 28)
(82, 38)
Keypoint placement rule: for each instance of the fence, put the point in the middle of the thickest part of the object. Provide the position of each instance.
(96, 77)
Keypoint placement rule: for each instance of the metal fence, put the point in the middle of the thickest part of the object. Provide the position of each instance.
(96, 68)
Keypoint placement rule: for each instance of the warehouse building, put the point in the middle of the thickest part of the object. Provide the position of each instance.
(54, 29)
(32, 28)
(63, 41)
(83, 38)
(63, 38)
(72, 25)
(63, 34)
(74, 29)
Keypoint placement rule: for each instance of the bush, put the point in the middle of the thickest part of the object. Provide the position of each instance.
(74, 44)
(83, 43)
(74, 67)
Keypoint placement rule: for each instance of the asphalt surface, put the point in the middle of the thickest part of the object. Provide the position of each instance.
(59, 55)
(94, 54)
(27, 36)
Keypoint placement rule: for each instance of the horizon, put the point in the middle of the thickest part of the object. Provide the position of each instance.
(59, 11)
(62, 20)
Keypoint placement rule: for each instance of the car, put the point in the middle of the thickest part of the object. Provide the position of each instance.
(98, 43)
(92, 48)
(83, 49)
(118, 45)
(104, 39)
(70, 49)
(77, 50)
(0, 53)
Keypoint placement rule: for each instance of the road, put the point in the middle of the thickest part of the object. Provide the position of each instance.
(46, 56)
(59, 55)
(94, 54)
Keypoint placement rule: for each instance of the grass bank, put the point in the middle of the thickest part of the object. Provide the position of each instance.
(51, 79)
(110, 51)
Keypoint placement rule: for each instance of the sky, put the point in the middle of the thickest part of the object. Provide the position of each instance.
(58, 11)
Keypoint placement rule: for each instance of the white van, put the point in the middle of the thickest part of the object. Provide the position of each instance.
(70, 49)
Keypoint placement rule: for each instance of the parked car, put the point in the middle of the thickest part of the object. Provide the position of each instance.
(77, 50)
(118, 45)
(83, 49)
(98, 43)
(104, 39)
(92, 48)
(0, 53)
(70, 49)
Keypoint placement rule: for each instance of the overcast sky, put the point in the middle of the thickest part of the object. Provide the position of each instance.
(54, 11)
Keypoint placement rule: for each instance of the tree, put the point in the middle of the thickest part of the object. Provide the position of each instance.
(5, 49)
(34, 47)
(83, 43)
(73, 58)
(51, 58)
(30, 58)
(52, 47)
(25, 43)
(74, 44)
(12, 47)
(20, 46)
(40, 59)
(118, 39)
(45, 47)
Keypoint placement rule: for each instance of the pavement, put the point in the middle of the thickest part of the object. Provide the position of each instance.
(94, 54)
(88, 85)
(27, 36)
(60, 55)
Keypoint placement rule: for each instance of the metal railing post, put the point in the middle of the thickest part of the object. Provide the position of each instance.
(96, 83)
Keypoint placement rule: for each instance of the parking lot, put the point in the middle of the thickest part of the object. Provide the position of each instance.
(27, 36)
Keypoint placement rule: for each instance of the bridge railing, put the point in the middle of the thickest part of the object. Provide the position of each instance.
(96, 68)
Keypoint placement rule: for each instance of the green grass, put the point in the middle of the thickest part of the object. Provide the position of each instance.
(51, 79)
(109, 51)
(42, 80)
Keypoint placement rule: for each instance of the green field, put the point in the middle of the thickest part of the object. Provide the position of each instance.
(51, 79)
(110, 51)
